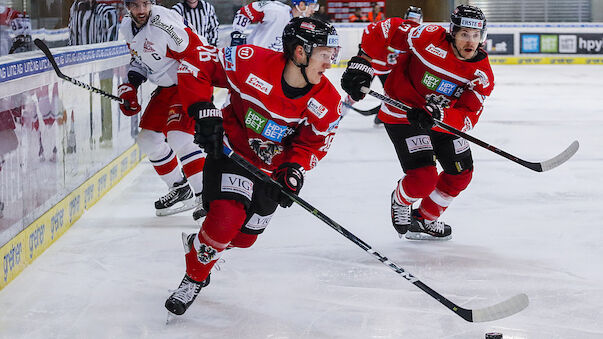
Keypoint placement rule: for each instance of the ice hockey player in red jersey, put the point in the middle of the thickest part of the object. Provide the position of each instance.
(271, 18)
(158, 38)
(444, 76)
(384, 60)
(281, 118)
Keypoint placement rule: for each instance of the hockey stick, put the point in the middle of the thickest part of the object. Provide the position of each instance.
(42, 46)
(367, 112)
(535, 166)
(494, 312)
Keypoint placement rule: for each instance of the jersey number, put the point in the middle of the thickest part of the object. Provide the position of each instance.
(208, 53)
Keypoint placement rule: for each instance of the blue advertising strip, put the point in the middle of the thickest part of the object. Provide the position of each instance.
(22, 68)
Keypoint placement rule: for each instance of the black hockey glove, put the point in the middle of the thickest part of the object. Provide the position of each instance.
(208, 128)
(358, 74)
(291, 177)
(238, 38)
(425, 117)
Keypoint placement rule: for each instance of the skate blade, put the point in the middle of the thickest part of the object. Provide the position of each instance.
(177, 208)
(424, 236)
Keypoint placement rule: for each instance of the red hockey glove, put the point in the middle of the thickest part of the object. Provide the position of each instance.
(129, 94)
(291, 177)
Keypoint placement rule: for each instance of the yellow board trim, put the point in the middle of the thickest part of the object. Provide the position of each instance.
(26, 246)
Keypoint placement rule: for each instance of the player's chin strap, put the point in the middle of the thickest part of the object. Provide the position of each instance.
(302, 67)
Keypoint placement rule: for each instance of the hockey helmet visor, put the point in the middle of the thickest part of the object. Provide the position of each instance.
(470, 17)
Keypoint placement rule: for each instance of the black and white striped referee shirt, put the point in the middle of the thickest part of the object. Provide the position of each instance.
(202, 18)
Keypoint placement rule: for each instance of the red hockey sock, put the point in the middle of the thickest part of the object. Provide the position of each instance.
(221, 225)
(449, 186)
(243, 240)
(416, 184)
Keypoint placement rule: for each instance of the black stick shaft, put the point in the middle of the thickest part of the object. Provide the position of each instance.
(462, 312)
(44, 48)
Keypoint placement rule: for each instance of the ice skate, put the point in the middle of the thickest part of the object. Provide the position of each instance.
(179, 199)
(185, 294)
(422, 229)
(199, 211)
(401, 216)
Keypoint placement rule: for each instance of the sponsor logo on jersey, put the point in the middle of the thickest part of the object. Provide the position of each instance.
(472, 23)
(436, 51)
(418, 143)
(468, 124)
(385, 27)
(417, 32)
(249, 13)
(169, 29)
(148, 46)
(482, 78)
(259, 84)
(186, 67)
(258, 222)
(267, 128)
(313, 161)
(307, 25)
(230, 61)
(438, 85)
(234, 183)
(460, 145)
(245, 53)
(431, 28)
(274, 131)
(317, 108)
(265, 150)
(206, 253)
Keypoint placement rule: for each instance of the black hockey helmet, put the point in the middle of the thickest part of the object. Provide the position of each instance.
(465, 16)
(414, 13)
(309, 33)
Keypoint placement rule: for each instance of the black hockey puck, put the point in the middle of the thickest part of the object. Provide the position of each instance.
(494, 335)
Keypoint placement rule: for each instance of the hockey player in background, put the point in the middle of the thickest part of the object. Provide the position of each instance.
(383, 62)
(280, 118)
(444, 76)
(271, 17)
(158, 38)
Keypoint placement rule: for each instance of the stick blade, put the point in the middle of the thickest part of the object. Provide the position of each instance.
(561, 158)
(501, 310)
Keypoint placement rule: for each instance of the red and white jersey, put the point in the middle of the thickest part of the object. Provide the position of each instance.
(154, 47)
(428, 68)
(271, 17)
(383, 60)
(260, 122)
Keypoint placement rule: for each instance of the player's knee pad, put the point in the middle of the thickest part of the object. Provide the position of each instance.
(419, 182)
(224, 220)
(453, 184)
(153, 144)
(243, 240)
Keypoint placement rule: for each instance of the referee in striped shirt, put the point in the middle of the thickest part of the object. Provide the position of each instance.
(201, 16)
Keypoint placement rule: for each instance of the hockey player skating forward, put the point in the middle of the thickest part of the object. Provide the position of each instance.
(271, 17)
(158, 38)
(386, 59)
(280, 118)
(444, 76)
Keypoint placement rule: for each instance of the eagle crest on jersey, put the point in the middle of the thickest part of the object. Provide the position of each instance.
(265, 150)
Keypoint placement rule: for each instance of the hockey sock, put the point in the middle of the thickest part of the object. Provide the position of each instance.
(449, 186)
(243, 240)
(221, 225)
(416, 184)
(191, 157)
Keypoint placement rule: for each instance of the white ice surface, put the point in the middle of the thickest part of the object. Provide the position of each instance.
(514, 231)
